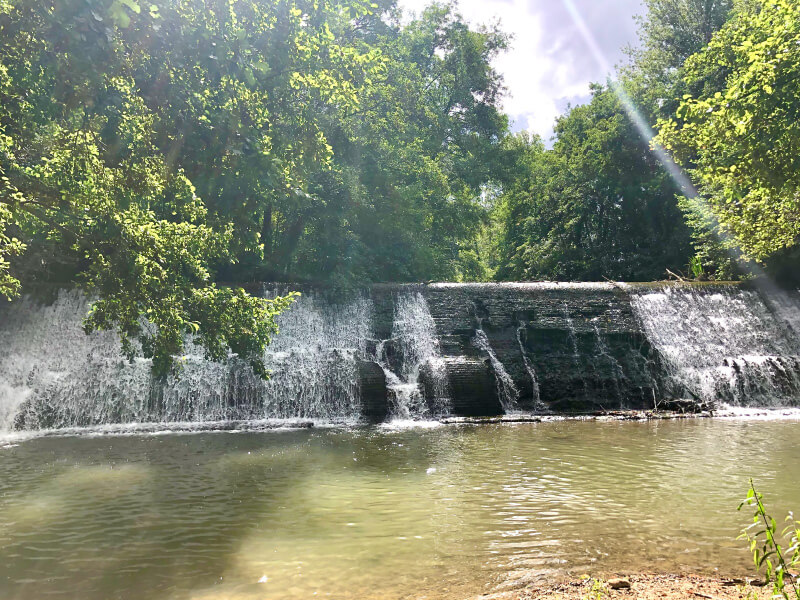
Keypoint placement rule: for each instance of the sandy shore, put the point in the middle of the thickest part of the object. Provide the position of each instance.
(641, 587)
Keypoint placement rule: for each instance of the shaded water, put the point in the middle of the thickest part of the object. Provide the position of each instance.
(447, 512)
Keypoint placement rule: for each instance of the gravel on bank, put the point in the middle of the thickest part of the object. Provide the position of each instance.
(641, 587)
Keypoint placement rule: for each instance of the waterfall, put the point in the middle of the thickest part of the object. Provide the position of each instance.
(52, 375)
(414, 340)
(604, 352)
(314, 359)
(723, 344)
(572, 337)
(628, 347)
(536, 394)
(507, 391)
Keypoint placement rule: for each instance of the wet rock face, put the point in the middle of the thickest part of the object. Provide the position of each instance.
(473, 392)
(567, 347)
(372, 385)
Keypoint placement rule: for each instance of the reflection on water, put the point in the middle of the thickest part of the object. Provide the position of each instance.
(447, 512)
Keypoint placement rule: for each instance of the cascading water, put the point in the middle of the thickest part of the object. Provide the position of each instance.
(416, 344)
(314, 359)
(507, 391)
(626, 347)
(535, 392)
(604, 353)
(52, 375)
(724, 345)
(572, 336)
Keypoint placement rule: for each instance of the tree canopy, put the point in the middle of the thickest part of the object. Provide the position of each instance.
(151, 151)
(138, 141)
(717, 80)
(740, 138)
(597, 205)
(162, 154)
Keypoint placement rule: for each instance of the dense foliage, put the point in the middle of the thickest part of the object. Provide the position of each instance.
(670, 32)
(401, 201)
(718, 79)
(150, 152)
(739, 134)
(597, 205)
(600, 204)
(138, 141)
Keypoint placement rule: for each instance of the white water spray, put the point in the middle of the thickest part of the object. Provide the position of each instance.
(507, 391)
(536, 395)
(724, 345)
(55, 376)
(414, 338)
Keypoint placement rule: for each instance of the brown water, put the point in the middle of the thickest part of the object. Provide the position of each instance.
(450, 512)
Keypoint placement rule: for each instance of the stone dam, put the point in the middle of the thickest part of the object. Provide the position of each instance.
(414, 352)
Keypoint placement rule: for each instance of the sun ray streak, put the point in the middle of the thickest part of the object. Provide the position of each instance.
(764, 283)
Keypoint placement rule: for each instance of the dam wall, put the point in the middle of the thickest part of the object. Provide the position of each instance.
(412, 352)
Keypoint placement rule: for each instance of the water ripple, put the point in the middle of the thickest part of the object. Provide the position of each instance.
(375, 513)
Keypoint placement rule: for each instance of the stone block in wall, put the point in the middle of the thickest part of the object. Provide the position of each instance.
(473, 391)
(372, 387)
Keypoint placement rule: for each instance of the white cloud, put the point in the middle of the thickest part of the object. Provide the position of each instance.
(548, 63)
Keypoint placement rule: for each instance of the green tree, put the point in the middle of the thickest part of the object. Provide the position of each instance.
(669, 33)
(139, 145)
(597, 205)
(403, 200)
(741, 143)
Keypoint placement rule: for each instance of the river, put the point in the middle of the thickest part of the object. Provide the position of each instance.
(381, 512)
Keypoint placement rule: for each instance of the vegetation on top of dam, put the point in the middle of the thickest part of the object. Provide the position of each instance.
(149, 151)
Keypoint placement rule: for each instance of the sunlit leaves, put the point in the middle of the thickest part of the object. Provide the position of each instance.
(154, 149)
(140, 142)
(596, 205)
(9, 247)
(742, 141)
(768, 553)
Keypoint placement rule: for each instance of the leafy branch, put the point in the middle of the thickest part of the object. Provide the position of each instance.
(768, 552)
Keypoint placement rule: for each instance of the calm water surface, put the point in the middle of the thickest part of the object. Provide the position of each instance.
(450, 512)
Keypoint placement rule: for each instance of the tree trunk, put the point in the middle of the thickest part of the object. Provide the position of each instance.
(266, 232)
(290, 243)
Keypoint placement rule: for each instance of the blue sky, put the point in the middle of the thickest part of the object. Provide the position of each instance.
(549, 64)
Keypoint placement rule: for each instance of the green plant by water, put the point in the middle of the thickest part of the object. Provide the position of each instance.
(768, 552)
(696, 266)
(598, 591)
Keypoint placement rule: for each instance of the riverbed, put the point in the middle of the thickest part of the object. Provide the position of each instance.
(382, 512)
